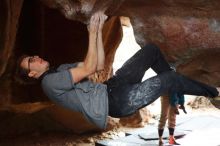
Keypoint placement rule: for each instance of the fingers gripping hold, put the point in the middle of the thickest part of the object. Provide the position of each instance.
(97, 21)
(94, 23)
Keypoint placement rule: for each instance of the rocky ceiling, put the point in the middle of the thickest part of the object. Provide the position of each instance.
(187, 31)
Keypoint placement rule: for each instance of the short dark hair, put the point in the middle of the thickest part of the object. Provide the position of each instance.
(22, 71)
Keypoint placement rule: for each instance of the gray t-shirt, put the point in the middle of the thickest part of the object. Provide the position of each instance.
(91, 99)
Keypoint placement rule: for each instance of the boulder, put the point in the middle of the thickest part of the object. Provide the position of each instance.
(187, 31)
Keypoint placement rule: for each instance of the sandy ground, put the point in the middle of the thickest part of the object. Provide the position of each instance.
(87, 139)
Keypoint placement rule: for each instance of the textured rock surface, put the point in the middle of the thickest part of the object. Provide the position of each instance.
(188, 32)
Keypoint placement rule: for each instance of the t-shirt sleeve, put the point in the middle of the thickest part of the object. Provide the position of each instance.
(67, 66)
(58, 83)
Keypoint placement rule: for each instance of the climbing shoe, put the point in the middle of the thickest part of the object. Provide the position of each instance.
(172, 141)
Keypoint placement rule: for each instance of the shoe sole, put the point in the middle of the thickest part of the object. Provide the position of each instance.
(215, 101)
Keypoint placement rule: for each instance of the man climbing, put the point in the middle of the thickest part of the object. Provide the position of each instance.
(121, 95)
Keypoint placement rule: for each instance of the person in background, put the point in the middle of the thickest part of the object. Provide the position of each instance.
(169, 109)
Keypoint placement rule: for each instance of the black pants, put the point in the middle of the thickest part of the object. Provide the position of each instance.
(127, 93)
